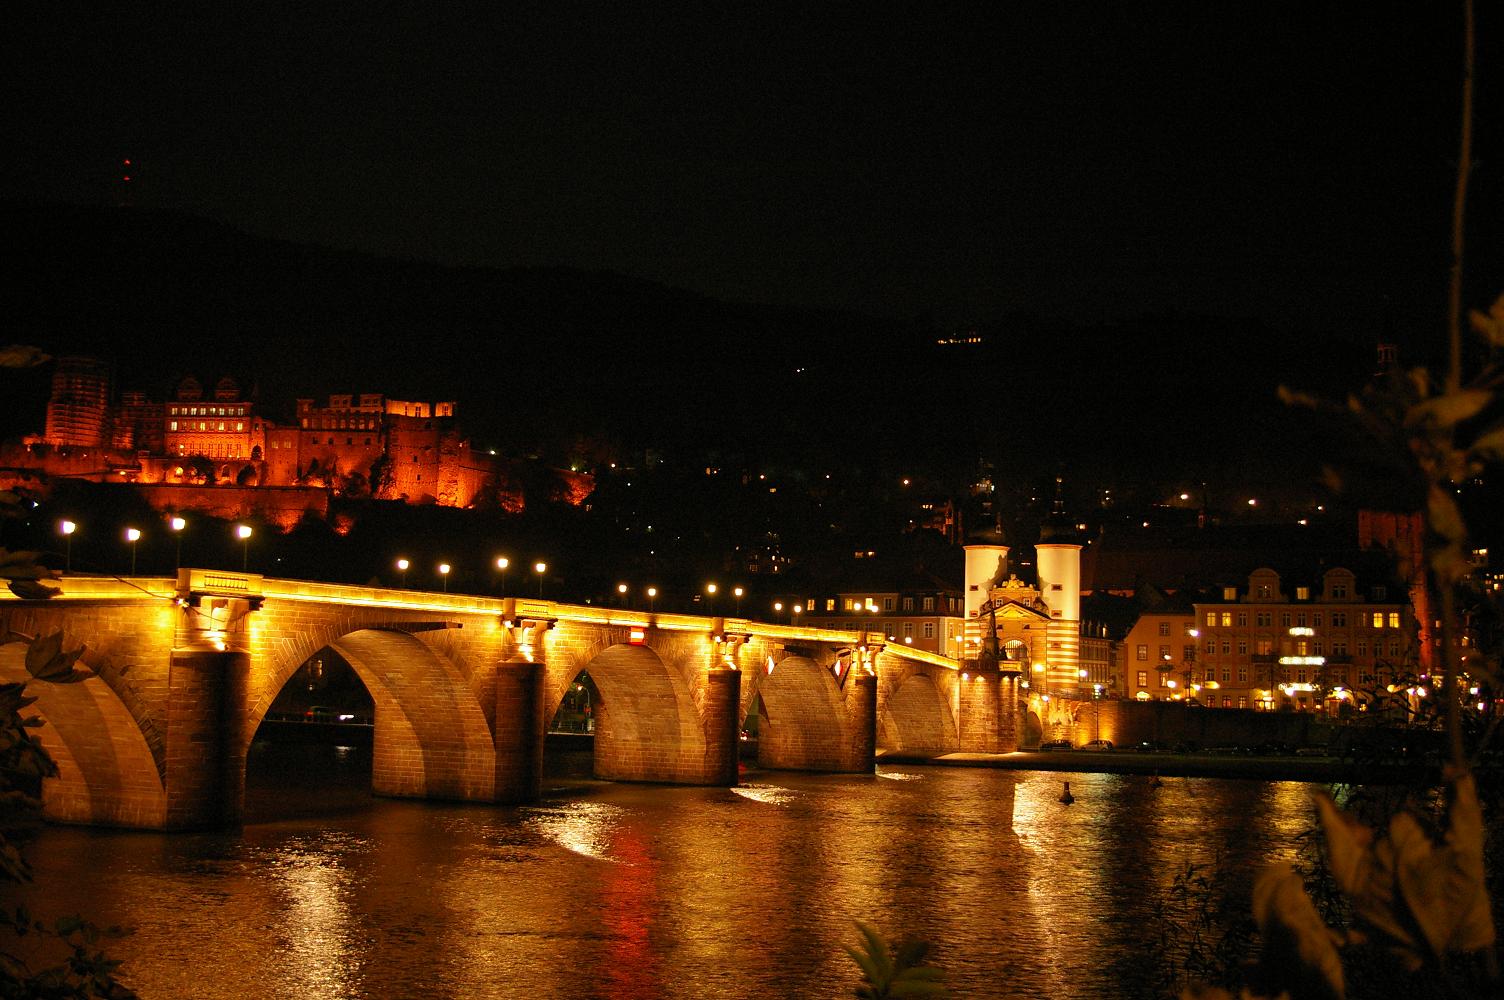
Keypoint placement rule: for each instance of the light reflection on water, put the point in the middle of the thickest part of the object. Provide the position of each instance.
(638, 891)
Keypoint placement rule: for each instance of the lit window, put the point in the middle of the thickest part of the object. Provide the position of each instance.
(1143, 678)
(1142, 652)
(1394, 619)
(1302, 593)
(1378, 619)
(1229, 593)
(1211, 618)
(1227, 619)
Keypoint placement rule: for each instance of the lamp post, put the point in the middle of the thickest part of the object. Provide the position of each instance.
(66, 529)
(710, 590)
(652, 598)
(444, 575)
(133, 535)
(243, 532)
(502, 562)
(540, 568)
(737, 591)
(621, 590)
(777, 610)
(402, 565)
(177, 524)
(798, 610)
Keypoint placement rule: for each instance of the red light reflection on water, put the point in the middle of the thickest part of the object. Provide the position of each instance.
(629, 888)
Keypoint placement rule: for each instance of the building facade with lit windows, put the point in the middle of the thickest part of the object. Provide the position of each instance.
(1155, 655)
(924, 614)
(220, 426)
(1307, 644)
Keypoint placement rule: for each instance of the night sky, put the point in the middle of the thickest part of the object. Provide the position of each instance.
(1286, 162)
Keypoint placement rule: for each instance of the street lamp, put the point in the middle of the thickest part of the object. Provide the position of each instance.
(502, 562)
(652, 598)
(798, 610)
(738, 592)
(177, 524)
(402, 565)
(444, 575)
(777, 610)
(243, 532)
(621, 589)
(66, 529)
(133, 535)
(710, 590)
(540, 568)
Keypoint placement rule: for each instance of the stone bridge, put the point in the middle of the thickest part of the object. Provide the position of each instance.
(464, 686)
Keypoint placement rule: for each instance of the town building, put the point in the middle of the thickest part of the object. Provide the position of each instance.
(1322, 642)
(919, 611)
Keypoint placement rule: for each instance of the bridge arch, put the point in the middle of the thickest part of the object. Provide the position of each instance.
(431, 737)
(107, 774)
(648, 725)
(803, 724)
(918, 717)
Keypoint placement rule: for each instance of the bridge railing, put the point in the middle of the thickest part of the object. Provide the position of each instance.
(97, 588)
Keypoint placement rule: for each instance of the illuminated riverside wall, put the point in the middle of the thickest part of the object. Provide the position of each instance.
(1126, 723)
(186, 669)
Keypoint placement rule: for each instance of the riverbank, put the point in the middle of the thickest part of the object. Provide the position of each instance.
(1326, 770)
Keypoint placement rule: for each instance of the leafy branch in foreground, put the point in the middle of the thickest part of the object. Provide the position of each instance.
(894, 971)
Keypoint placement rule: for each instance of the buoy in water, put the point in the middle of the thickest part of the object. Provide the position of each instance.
(1066, 795)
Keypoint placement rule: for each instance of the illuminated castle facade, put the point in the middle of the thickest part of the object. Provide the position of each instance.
(356, 445)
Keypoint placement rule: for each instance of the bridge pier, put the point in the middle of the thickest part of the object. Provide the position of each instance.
(861, 725)
(519, 731)
(979, 716)
(722, 720)
(204, 738)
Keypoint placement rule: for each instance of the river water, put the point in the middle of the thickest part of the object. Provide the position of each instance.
(627, 891)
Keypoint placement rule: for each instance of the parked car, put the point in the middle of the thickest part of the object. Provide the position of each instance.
(1097, 745)
(1055, 745)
